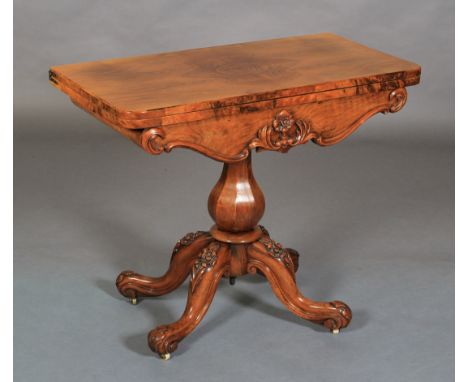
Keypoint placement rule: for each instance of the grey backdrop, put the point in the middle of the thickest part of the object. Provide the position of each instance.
(372, 217)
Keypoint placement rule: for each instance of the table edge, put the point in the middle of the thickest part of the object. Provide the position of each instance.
(246, 103)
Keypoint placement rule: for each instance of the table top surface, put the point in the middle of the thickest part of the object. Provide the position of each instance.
(199, 79)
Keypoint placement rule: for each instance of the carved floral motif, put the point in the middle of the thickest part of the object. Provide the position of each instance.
(204, 263)
(277, 251)
(283, 133)
(188, 239)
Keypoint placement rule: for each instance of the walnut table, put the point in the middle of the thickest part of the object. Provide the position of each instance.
(224, 102)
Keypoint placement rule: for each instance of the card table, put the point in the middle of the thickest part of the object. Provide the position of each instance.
(224, 102)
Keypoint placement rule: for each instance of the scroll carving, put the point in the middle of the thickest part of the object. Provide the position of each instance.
(204, 263)
(341, 319)
(283, 133)
(396, 101)
(152, 141)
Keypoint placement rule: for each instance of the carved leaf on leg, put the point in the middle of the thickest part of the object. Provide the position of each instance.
(294, 255)
(212, 263)
(131, 284)
(187, 240)
(283, 133)
(333, 315)
(278, 252)
(204, 263)
(264, 230)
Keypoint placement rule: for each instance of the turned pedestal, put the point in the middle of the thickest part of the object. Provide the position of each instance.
(233, 247)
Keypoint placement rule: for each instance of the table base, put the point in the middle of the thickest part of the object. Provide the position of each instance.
(206, 260)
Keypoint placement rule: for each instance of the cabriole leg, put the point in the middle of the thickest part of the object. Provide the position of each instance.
(207, 271)
(276, 265)
(292, 252)
(132, 285)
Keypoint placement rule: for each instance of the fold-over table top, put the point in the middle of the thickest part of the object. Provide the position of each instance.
(220, 76)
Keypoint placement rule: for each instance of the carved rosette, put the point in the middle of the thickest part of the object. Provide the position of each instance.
(188, 239)
(204, 263)
(278, 252)
(283, 133)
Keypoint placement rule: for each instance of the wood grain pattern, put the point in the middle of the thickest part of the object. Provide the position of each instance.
(236, 202)
(229, 139)
(209, 78)
(220, 100)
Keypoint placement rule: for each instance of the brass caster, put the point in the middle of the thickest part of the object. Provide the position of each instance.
(335, 331)
(134, 301)
(165, 356)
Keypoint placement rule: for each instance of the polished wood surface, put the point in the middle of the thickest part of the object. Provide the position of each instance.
(214, 259)
(218, 100)
(208, 256)
(236, 202)
(184, 255)
(209, 78)
(225, 102)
